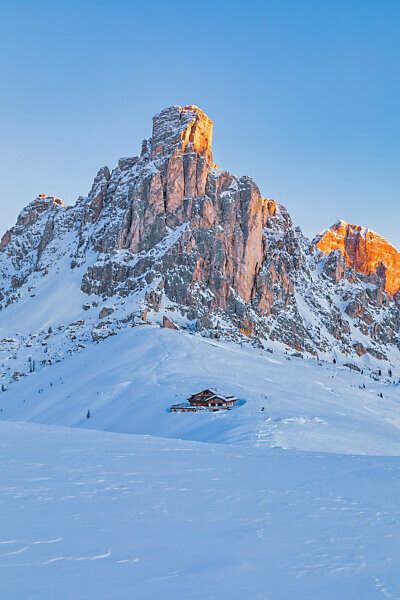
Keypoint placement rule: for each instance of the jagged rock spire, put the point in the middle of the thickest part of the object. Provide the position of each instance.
(178, 128)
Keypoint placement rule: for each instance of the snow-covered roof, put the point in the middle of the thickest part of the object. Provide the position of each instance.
(216, 393)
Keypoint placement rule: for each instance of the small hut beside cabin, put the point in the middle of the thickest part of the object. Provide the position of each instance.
(208, 399)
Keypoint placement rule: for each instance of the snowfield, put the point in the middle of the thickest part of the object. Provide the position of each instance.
(283, 497)
(89, 514)
(129, 381)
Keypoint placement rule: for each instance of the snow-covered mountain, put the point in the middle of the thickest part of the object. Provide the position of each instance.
(169, 277)
(169, 237)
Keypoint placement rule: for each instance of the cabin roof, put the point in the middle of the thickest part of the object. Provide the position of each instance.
(215, 393)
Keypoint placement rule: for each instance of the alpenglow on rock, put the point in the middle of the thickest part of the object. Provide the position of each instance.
(168, 235)
(365, 250)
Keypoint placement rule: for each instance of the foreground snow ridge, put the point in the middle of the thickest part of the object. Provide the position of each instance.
(89, 514)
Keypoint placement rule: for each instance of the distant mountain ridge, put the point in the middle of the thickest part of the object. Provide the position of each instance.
(365, 250)
(167, 237)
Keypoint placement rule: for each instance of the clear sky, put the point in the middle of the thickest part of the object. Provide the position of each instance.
(304, 95)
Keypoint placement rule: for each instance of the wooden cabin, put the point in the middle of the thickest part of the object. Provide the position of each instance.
(208, 399)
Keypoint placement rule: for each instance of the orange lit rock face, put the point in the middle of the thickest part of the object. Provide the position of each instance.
(199, 132)
(179, 129)
(364, 250)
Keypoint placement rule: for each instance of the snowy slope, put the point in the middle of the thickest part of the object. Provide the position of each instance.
(130, 380)
(93, 515)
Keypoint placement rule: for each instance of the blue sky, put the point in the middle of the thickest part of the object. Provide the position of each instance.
(304, 96)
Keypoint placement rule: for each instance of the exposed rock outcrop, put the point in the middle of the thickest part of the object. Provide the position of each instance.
(169, 229)
(106, 312)
(168, 323)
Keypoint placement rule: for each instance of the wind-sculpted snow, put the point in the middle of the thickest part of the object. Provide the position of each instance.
(92, 515)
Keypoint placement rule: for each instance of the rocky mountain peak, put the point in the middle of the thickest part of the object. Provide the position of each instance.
(42, 203)
(365, 251)
(176, 129)
(38, 206)
(168, 237)
(30, 215)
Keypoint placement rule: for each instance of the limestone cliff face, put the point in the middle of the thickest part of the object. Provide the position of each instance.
(221, 219)
(365, 251)
(168, 235)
